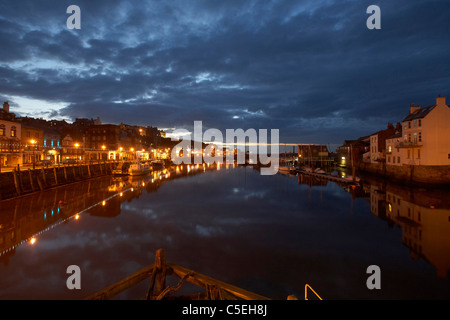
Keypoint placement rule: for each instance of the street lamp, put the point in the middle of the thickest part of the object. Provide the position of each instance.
(103, 148)
(33, 142)
(76, 145)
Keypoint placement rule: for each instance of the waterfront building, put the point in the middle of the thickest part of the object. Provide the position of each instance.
(114, 142)
(314, 155)
(52, 145)
(10, 132)
(100, 138)
(393, 154)
(32, 144)
(352, 150)
(377, 149)
(71, 149)
(425, 136)
(10, 146)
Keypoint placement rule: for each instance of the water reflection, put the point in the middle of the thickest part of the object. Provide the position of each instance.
(24, 220)
(267, 234)
(423, 216)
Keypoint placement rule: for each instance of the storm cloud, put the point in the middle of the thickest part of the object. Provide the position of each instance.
(309, 68)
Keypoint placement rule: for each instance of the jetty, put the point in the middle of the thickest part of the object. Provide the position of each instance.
(326, 176)
(18, 182)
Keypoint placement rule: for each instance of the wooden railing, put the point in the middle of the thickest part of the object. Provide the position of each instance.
(158, 271)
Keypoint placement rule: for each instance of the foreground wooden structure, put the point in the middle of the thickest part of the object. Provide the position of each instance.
(157, 272)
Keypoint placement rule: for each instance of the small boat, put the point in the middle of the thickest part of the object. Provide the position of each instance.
(139, 168)
(350, 178)
(318, 170)
(121, 169)
(284, 169)
(307, 169)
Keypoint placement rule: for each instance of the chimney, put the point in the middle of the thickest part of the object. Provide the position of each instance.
(440, 101)
(413, 108)
(6, 106)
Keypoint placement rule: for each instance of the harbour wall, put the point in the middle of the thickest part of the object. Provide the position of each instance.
(409, 174)
(21, 182)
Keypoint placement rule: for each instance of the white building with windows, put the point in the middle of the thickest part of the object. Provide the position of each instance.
(10, 146)
(425, 137)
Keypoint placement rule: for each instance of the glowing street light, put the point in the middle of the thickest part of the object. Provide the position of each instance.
(33, 142)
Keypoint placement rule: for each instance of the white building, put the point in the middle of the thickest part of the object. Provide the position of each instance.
(425, 137)
(10, 146)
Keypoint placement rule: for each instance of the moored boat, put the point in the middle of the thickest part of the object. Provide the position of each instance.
(121, 169)
(139, 168)
(350, 178)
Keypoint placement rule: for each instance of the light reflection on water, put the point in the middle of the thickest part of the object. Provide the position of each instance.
(267, 234)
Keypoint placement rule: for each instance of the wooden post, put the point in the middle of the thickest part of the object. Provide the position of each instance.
(16, 181)
(41, 186)
(43, 177)
(89, 170)
(56, 176)
(31, 179)
(65, 173)
(160, 265)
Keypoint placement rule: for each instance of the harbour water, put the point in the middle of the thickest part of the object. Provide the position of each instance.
(271, 235)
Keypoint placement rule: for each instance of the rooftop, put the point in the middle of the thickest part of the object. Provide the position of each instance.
(419, 114)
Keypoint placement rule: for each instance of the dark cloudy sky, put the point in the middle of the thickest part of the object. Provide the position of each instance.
(309, 68)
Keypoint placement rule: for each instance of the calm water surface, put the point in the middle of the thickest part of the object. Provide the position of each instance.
(267, 234)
